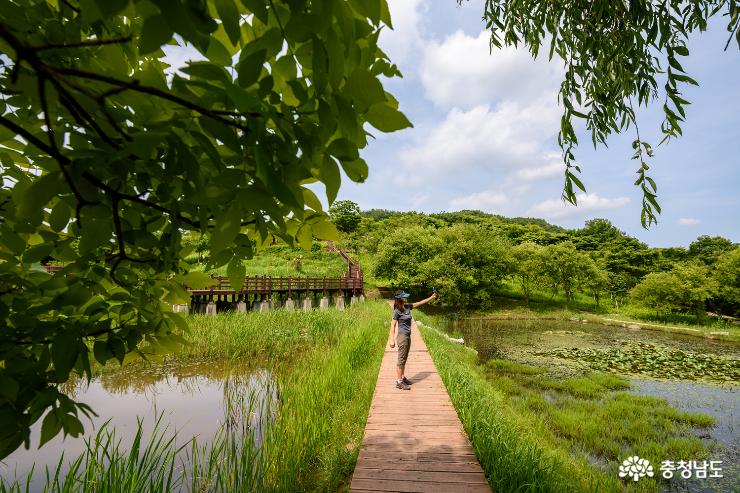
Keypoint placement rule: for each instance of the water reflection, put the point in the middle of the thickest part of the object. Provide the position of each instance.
(530, 342)
(195, 399)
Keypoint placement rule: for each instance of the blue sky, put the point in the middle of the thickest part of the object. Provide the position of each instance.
(485, 129)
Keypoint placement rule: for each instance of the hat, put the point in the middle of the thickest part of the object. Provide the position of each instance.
(402, 294)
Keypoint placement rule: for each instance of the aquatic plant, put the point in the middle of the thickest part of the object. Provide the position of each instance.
(653, 360)
(325, 365)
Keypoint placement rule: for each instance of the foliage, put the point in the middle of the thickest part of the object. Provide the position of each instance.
(615, 55)
(529, 261)
(566, 268)
(648, 359)
(727, 277)
(463, 261)
(346, 215)
(686, 287)
(658, 290)
(309, 443)
(708, 249)
(547, 428)
(108, 155)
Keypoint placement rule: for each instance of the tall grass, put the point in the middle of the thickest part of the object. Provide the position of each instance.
(538, 430)
(324, 366)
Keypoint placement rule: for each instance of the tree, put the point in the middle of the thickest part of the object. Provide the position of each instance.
(727, 276)
(108, 155)
(695, 286)
(528, 266)
(708, 249)
(595, 279)
(615, 54)
(659, 291)
(565, 267)
(346, 215)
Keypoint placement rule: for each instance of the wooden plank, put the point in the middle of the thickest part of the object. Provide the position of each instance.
(414, 441)
(400, 485)
(474, 477)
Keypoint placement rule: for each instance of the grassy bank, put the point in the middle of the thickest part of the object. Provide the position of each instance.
(535, 431)
(323, 367)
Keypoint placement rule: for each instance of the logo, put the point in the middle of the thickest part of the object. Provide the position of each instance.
(635, 468)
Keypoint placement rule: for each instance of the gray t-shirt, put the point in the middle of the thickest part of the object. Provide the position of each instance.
(404, 318)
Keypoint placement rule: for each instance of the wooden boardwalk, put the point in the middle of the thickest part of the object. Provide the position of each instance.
(414, 441)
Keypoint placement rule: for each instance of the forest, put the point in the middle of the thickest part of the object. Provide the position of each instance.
(473, 257)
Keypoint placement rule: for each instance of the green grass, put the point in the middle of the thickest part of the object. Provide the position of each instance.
(282, 261)
(325, 365)
(538, 431)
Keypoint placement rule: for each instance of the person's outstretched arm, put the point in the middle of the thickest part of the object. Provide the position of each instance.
(424, 301)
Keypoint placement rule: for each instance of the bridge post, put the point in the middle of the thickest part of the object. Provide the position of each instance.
(339, 301)
(211, 308)
(181, 308)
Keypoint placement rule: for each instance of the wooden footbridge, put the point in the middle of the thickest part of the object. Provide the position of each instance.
(414, 441)
(266, 292)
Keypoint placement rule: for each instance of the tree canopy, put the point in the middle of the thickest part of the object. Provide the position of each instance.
(109, 154)
(616, 56)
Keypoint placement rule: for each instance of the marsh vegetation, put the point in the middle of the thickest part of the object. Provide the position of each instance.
(556, 405)
(261, 401)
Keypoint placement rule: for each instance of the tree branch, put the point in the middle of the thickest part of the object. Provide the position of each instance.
(81, 44)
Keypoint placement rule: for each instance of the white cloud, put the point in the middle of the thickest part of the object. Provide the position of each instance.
(462, 71)
(587, 203)
(405, 37)
(487, 201)
(555, 167)
(688, 221)
(484, 139)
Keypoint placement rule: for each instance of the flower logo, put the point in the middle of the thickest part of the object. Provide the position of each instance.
(635, 468)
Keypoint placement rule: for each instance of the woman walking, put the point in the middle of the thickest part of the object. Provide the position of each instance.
(401, 333)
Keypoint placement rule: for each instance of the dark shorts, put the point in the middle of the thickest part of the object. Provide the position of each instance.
(404, 344)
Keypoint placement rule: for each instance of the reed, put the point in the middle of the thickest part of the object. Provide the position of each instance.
(303, 434)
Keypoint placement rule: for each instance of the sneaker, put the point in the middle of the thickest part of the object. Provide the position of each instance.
(402, 386)
(406, 381)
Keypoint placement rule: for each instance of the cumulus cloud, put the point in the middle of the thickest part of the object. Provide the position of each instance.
(405, 37)
(688, 221)
(462, 71)
(587, 203)
(487, 201)
(554, 167)
(485, 139)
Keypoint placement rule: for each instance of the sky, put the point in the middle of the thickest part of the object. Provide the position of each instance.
(485, 135)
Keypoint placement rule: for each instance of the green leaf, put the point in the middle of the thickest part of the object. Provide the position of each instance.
(304, 237)
(250, 68)
(357, 170)
(258, 8)
(59, 216)
(386, 119)
(154, 33)
(230, 18)
(331, 177)
(365, 88)
(343, 149)
(325, 230)
(195, 280)
(64, 350)
(236, 271)
(228, 224)
(40, 193)
(50, 427)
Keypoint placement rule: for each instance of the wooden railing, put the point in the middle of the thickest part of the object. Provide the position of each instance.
(270, 284)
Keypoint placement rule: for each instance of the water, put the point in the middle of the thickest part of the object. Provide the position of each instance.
(534, 341)
(194, 400)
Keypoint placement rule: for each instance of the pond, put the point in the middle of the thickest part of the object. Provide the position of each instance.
(693, 374)
(182, 400)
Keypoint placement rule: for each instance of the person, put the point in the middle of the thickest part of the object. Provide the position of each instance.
(401, 333)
